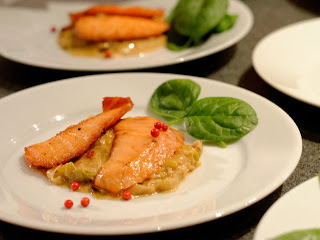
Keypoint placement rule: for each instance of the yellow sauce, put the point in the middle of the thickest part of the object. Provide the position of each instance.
(84, 170)
(82, 48)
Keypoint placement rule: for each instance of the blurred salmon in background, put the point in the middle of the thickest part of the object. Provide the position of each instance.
(110, 30)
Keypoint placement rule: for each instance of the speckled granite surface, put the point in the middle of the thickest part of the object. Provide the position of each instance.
(233, 66)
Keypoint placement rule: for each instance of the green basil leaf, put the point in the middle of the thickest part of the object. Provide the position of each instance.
(226, 23)
(171, 15)
(177, 42)
(172, 98)
(196, 18)
(220, 119)
(309, 234)
(176, 47)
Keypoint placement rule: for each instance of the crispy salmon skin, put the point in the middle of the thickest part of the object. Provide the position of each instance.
(118, 10)
(135, 154)
(76, 139)
(103, 28)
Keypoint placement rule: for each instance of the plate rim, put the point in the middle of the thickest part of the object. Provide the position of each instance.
(297, 188)
(224, 211)
(272, 83)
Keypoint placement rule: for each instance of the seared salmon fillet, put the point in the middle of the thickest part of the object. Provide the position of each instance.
(76, 139)
(104, 28)
(117, 10)
(135, 154)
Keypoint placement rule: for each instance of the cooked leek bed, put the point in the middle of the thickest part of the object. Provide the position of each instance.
(85, 168)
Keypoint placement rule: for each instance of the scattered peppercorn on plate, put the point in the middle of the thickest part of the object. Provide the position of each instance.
(230, 176)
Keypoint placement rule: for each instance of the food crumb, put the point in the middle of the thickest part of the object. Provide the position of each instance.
(90, 154)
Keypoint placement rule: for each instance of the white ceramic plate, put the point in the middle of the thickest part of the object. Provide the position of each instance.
(228, 180)
(27, 39)
(296, 210)
(288, 59)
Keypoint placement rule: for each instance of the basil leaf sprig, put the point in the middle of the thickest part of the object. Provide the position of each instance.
(313, 234)
(173, 97)
(219, 119)
(192, 21)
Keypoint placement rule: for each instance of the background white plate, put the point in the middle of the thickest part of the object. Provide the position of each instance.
(28, 39)
(296, 210)
(228, 180)
(288, 59)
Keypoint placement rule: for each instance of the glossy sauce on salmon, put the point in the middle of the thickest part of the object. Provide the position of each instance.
(135, 154)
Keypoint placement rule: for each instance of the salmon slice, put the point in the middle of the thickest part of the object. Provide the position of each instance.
(104, 28)
(110, 103)
(76, 139)
(135, 154)
(117, 10)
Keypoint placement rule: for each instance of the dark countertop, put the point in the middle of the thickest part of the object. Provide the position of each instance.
(233, 66)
